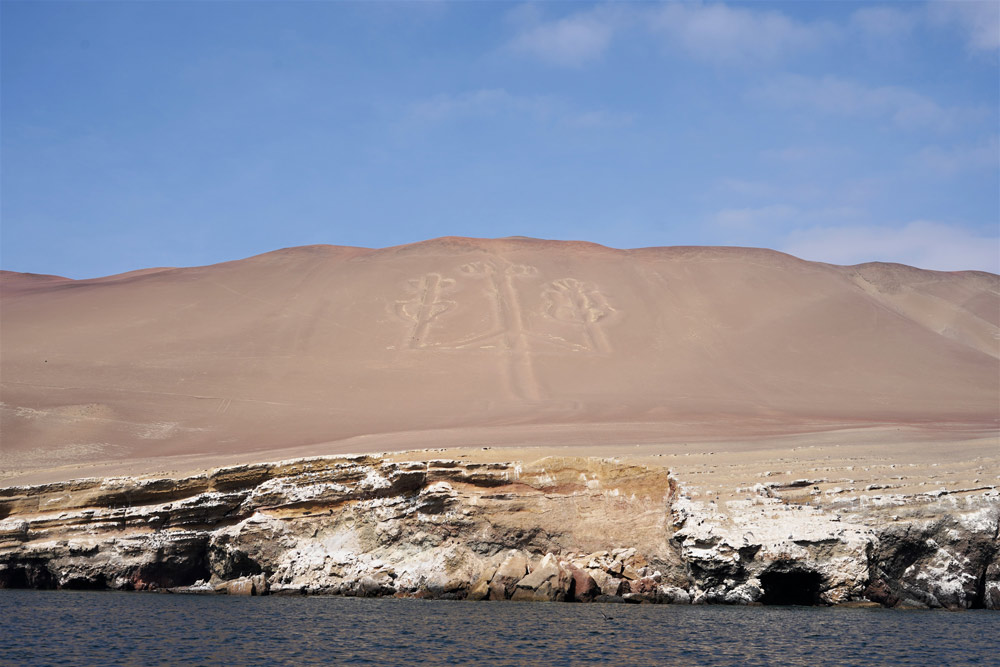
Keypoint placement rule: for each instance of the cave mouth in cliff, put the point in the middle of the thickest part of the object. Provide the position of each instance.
(798, 587)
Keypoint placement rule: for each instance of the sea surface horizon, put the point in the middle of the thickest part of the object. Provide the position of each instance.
(110, 628)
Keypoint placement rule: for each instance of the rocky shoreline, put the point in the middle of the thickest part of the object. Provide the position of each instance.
(558, 529)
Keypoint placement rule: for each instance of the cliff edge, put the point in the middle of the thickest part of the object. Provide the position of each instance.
(559, 528)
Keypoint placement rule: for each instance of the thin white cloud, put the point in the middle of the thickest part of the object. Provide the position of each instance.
(884, 22)
(713, 32)
(482, 102)
(569, 41)
(752, 189)
(749, 188)
(799, 154)
(978, 20)
(922, 243)
(949, 161)
(780, 216)
(600, 119)
(755, 217)
(740, 35)
(736, 35)
(833, 95)
(497, 102)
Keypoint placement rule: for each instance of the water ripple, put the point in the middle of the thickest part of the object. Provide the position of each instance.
(72, 628)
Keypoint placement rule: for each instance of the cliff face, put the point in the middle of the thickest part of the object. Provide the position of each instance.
(558, 529)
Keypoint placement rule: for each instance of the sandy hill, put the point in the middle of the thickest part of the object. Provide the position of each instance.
(471, 341)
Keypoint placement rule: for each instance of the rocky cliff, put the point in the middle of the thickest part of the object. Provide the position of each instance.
(581, 529)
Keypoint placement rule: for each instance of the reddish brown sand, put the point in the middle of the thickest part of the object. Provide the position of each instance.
(502, 343)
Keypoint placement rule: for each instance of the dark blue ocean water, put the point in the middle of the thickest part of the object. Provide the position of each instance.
(90, 628)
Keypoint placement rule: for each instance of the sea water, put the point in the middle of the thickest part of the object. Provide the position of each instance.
(95, 628)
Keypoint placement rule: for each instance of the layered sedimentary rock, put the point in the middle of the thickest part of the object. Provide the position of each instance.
(566, 529)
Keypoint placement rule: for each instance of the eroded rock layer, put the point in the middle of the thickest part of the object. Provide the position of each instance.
(567, 529)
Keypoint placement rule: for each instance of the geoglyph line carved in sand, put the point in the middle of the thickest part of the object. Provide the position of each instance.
(567, 301)
(510, 334)
(424, 307)
(578, 303)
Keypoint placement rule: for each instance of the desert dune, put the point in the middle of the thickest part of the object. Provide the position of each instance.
(486, 342)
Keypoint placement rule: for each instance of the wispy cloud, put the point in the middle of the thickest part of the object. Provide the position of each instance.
(736, 35)
(483, 102)
(978, 20)
(798, 154)
(770, 189)
(600, 119)
(499, 102)
(742, 35)
(922, 243)
(779, 216)
(985, 155)
(884, 22)
(749, 188)
(714, 32)
(755, 217)
(906, 108)
(569, 41)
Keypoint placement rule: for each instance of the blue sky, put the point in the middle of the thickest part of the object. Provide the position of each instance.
(172, 133)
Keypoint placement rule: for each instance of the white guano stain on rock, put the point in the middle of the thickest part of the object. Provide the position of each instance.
(587, 529)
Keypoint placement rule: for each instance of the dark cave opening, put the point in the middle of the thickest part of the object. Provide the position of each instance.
(83, 583)
(169, 573)
(798, 587)
(27, 574)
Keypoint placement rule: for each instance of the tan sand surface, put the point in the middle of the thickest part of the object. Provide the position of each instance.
(747, 360)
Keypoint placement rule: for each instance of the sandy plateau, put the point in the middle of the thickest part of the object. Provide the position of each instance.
(507, 419)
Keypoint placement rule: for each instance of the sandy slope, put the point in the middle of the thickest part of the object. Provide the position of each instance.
(501, 342)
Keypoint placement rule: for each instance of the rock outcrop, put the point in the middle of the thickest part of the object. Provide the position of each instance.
(560, 529)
